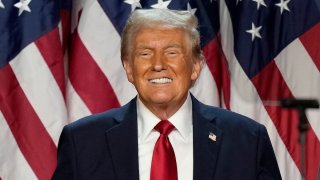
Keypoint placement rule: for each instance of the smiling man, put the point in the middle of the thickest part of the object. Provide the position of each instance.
(162, 68)
(164, 133)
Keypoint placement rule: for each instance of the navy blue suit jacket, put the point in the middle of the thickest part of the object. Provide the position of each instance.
(105, 146)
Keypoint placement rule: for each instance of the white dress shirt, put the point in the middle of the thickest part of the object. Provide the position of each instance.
(181, 139)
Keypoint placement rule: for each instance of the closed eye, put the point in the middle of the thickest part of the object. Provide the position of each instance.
(172, 53)
(145, 53)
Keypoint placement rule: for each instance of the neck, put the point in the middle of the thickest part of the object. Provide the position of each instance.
(165, 110)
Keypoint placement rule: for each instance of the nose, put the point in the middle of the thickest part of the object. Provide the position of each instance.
(159, 62)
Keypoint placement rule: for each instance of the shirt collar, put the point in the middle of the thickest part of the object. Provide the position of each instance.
(182, 119)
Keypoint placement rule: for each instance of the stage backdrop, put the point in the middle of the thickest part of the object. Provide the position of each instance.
(60, 61)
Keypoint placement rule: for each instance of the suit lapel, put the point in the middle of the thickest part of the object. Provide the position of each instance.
(206, 149)
(122, 142)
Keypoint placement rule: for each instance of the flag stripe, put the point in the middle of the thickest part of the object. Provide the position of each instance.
(76, 107)
(312, 155)
(106, 53)
(293, 63)
(32, 138)
(84, 74)
(217, 64)
(13, 160)
(54, 58)
(245, 100)
(310, 40)
(65, 26)
(41, 89)
(208, 95)
(288, 131)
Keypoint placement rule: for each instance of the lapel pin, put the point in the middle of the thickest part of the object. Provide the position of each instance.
(212, 136)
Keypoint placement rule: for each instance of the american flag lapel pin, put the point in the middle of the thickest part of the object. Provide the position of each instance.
(213, 137)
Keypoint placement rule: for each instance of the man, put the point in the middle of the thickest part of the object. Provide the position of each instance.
(161, 54)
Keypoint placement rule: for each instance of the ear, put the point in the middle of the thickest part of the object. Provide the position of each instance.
(196, 69)
(128, 68)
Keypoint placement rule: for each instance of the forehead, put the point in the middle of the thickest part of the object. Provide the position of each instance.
(149, 35)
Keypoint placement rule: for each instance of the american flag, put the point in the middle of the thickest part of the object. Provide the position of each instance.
(60, 61)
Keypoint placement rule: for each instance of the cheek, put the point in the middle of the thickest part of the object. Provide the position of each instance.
(138, 71)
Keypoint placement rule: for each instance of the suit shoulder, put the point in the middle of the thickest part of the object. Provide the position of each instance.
(228, 120)
(234, 117)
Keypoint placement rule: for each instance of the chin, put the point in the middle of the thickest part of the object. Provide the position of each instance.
(161, 99)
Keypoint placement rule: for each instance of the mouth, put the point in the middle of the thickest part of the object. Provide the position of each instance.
(163, 80)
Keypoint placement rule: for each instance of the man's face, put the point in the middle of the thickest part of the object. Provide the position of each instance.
(161, 66)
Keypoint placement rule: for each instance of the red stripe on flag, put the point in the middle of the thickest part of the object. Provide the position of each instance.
(50, 48)
(312, 155)
(66, 26)
(31, 136)
(311, 41)
(286, 121)
(218, 67)
(88, 79)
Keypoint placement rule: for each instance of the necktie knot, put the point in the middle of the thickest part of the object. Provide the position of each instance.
(164, 127)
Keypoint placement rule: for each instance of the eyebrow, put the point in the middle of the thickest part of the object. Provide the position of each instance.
(143, 47)
(172, 45)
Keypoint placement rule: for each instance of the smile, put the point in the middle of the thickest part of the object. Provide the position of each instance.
(160, 80)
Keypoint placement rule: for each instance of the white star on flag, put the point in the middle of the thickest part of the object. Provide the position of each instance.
(161, 4)
(1, 4)
(283, 5)
(254, 31)
(193, 11)
(259, 3)
(23, 6)
(134, 4)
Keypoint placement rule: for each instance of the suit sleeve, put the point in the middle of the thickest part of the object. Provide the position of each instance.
(66, 166)
(267, 163)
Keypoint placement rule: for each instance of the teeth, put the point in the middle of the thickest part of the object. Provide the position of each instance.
(161, 80)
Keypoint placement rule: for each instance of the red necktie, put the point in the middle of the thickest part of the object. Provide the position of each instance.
(163, 165)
